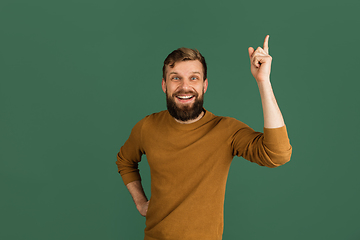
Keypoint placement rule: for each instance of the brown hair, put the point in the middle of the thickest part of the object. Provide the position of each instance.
(184, 54)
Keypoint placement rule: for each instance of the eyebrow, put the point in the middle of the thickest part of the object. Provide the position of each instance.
(177, 73)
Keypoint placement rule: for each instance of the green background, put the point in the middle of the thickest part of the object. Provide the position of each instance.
(75, 77)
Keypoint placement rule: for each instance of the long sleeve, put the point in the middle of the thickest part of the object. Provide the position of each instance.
(271, 148)
(277, 145)
(130, 155)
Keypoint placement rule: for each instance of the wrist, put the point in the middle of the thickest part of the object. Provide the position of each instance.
(140, 202)
(263, 80)
(264, 84)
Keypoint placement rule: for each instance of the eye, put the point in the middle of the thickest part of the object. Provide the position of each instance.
(194, 78)
(175, 78)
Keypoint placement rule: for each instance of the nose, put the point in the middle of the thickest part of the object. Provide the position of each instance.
(185, 84)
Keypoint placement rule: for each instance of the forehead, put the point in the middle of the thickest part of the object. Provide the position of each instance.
(185, 67)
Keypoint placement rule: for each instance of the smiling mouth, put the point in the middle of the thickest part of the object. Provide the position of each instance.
(186, 97)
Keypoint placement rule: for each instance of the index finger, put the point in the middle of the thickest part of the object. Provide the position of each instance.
(266, 44)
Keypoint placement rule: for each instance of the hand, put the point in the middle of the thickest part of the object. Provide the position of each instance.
(143, 208)
(260, 61)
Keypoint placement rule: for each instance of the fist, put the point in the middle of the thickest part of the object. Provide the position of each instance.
(260, 61)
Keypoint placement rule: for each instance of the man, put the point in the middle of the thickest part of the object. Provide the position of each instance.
(189, 150)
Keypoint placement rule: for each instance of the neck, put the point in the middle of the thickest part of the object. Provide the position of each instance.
(192, 120)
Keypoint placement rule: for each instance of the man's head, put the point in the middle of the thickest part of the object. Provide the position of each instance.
(185, 82)
(184, 54)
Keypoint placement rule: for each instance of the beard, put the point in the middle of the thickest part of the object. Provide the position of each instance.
(185, 112)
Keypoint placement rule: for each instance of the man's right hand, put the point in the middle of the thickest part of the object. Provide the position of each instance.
(142, 208)
(137, 192)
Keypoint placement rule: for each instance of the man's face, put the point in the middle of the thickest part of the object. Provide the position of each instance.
(185, 87)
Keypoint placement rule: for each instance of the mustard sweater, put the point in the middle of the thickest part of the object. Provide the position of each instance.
(189, 165)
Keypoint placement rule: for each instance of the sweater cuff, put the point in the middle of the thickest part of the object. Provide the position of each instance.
(131, 177)
(277, 139)
(276, 135)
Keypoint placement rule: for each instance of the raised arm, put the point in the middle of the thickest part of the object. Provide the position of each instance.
(260, 62)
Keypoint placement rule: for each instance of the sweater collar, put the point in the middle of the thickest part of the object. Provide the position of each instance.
(183, 126)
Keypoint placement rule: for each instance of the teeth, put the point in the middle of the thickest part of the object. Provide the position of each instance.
(184, 97)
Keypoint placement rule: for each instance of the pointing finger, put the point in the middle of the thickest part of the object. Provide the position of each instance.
(266, 44)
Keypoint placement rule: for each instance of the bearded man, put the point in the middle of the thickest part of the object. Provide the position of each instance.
(189, 149)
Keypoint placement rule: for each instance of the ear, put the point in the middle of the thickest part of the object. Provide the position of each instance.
(205, 85)
(163, 85)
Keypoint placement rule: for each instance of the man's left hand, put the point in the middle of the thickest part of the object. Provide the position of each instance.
(260, 61)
